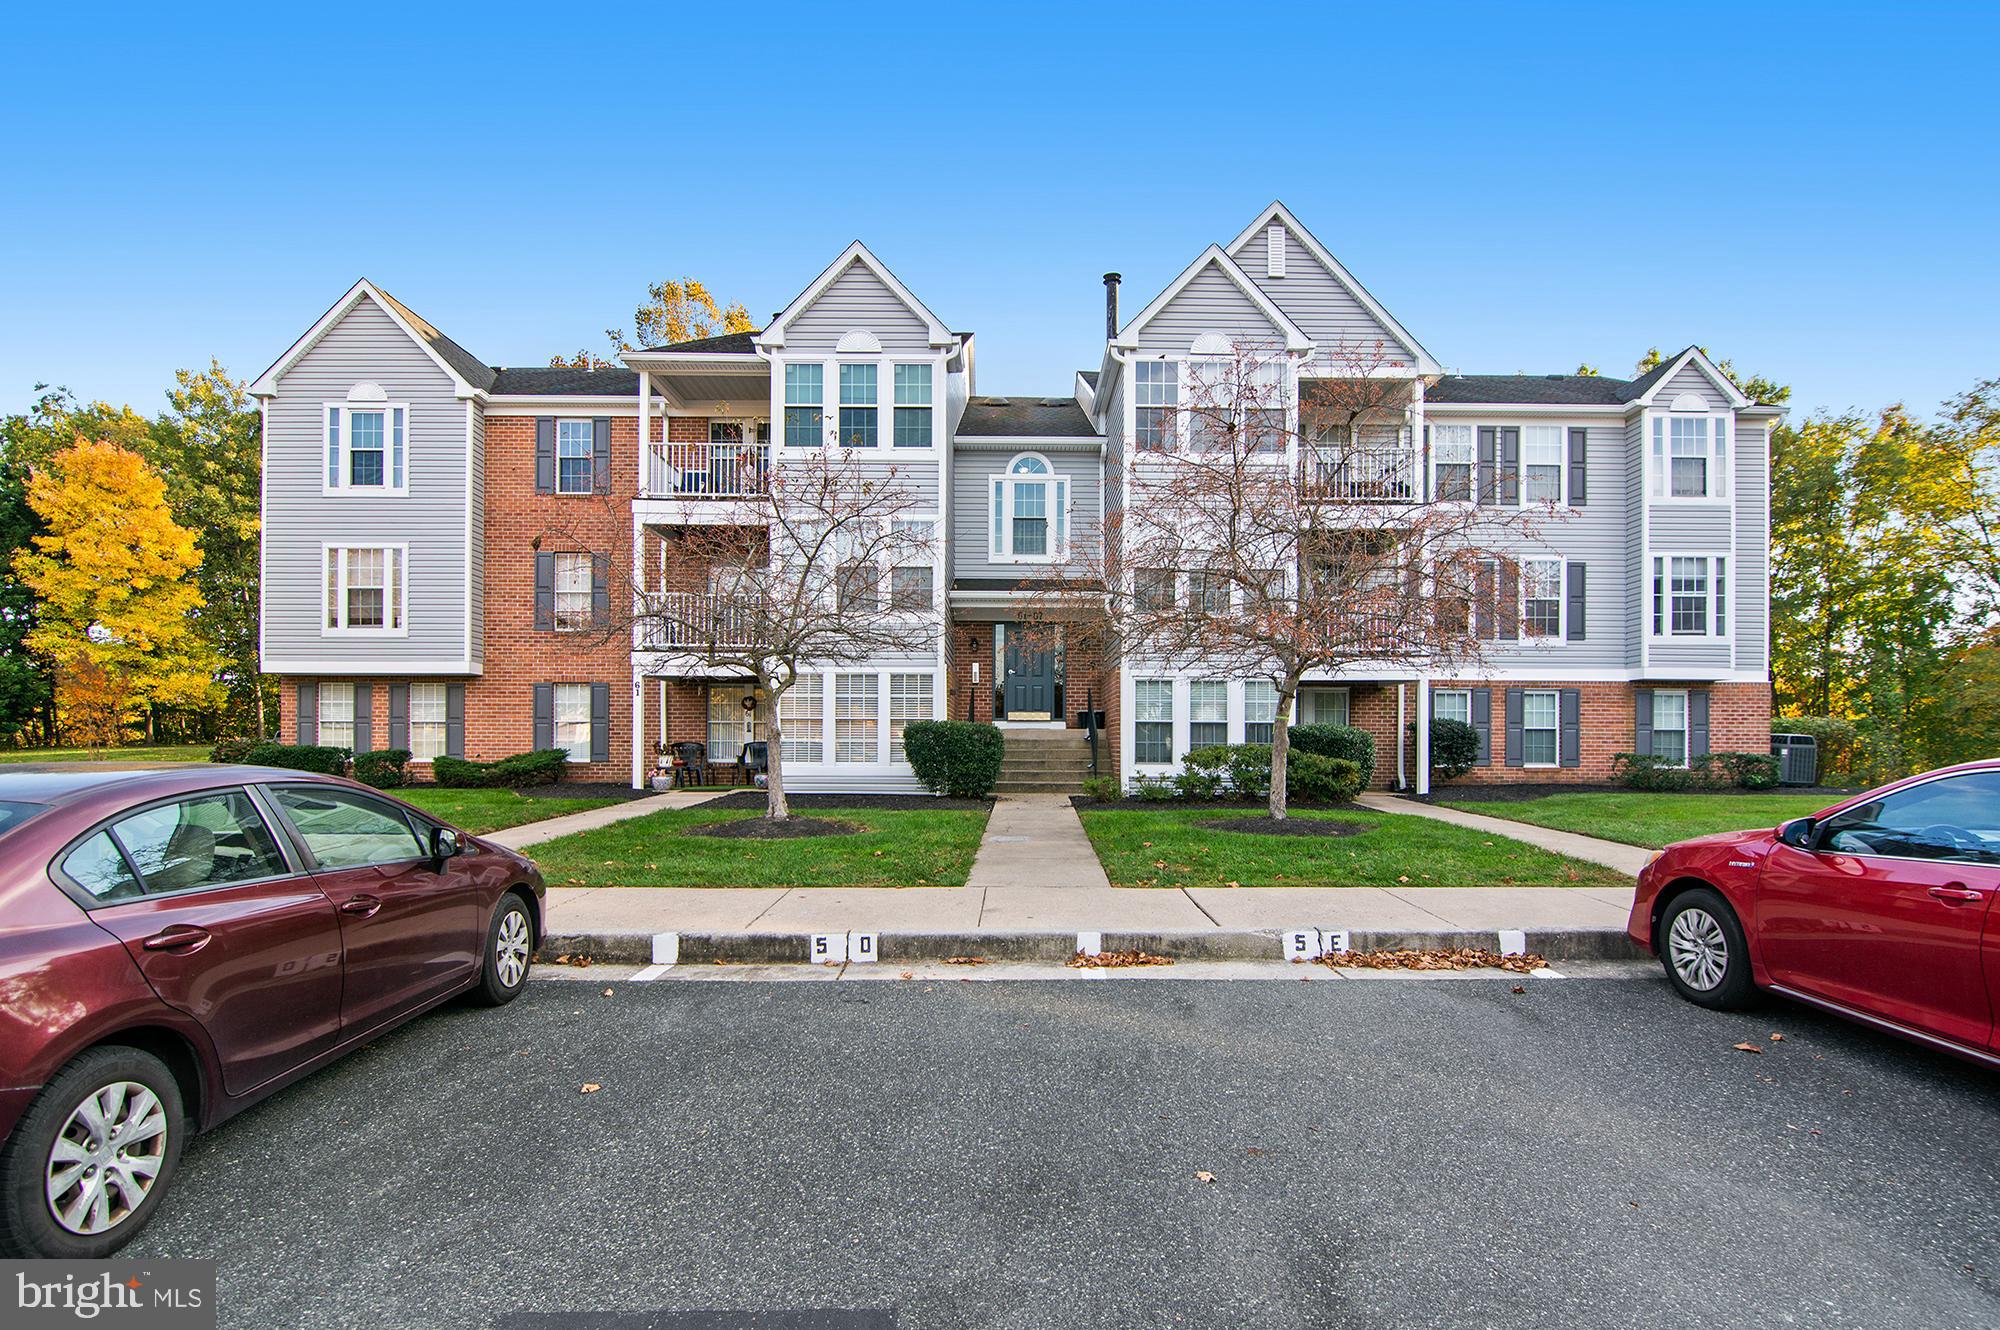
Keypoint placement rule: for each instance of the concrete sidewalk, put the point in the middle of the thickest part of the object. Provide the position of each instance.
(1627, 859)
(1036, 838)
(534, 833)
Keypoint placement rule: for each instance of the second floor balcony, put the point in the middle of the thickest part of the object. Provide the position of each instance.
(1363, 473)
(693, 622)
(729, 467)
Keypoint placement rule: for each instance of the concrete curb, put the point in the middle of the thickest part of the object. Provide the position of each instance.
(1263, 944)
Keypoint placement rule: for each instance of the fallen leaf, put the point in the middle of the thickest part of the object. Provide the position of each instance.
(1748, 1048)
(907, 974)
(1519, 989)
(1777, 1038)
(591, 1087)
(1204, 1176)
(1253, 1152)
(608, 992)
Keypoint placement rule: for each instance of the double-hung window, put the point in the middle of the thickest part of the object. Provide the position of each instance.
(1452, 704)
(1153, 588)
(572, 592)
(1155, 394)
(1030, 512)
(857, 406)
(572, 720)
(1452, 454)
(428, 721)
(909, 699)
(1208, 593)
(1689, 596)
(1260, 710)
(911, 588)
(1541, 598)
(336, 715)
(856, 717)
(365, 447)
(1690, 457)
(913, 406)
(859, 585)
(364, 589)
(805, 388)
(802, 720)
(576, 457)
(1542, 456)
(1539, 712)
(1153, 721)
(1670, 726)
(1208, 713)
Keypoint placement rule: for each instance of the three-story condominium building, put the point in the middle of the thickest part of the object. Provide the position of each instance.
(449, 545)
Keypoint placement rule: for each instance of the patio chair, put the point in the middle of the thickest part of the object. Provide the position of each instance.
(690, 763)
(756, 761)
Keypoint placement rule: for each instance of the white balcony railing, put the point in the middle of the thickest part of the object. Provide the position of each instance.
(720, 469)
(692, 621)
(1386, 474)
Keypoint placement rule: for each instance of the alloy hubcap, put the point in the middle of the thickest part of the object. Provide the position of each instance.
(1698, 949)
(510, 951)
(106, 1158)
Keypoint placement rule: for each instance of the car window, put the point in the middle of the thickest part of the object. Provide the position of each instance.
(1956, 819)
(348, 830)
(207, 841)
(13, 814)
(100, 869)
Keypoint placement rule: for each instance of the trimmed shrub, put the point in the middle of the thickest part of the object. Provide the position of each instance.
(1743, 771)
(1348, 741)
(1157, 789)
(455, 773)
(1201, 775)
(544, 766)
(1316, 779)
(958, 758)
(232, 751)
(1104, 789)
(1835, 736)
(299, 757)
(385, 770)
(1643, 771)
(1454, 748)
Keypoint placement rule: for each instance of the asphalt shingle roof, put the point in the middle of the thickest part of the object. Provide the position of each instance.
(728, 344)
(559, 381)
(1532, 389)
(1025, 418)
(466, 365)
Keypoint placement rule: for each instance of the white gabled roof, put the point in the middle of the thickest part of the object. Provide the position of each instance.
(1696, 356)
(1295, 337)
(774, 333)
(433, 343)
(1278, 212)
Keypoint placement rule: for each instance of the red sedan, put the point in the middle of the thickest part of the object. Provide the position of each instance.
(177, 943)
(1880, 908)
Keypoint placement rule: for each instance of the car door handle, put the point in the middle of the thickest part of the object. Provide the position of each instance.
(361, 905)
(1956, 891)
(179, 937)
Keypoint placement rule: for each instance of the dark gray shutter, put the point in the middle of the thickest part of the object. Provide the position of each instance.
(1514, 757)
(1579, 467)
(399, 715)
(1482, 721)
(600, 452)
(1697, 722)
(364, 718)
(454, 720)
(1510, 600)
(600, 722)
(545, 716)
(600, 589)
(1576, 602)
(545, 454)
(545, 591)
(308, 713)
(1642, 721)
(1569, 717)
(1482, 601)
(1510, 466)
(1486, 493)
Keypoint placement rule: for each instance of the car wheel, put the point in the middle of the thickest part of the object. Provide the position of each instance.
(510, 949)
(89, 1161)
(1702, 948)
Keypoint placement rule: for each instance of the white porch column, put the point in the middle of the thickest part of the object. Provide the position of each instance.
(645, 437)
(1402, 728)
(639, 764)
(1423, 734)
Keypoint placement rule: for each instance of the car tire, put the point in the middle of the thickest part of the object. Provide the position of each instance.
(1703, 951)
(100, 1083)
(510, 950)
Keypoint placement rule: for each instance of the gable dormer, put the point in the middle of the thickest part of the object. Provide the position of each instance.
(1212, 300)
(856, 304)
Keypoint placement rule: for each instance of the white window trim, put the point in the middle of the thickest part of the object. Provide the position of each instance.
(589, 592)
(1561, 633)
(840, 404)
(894, 406)
(343, 489)
(1466, 693)
(399, 567)
(1562, 464)
(1177, 436)
(1687, 724)
(556, 721)
(590, 427)
(1556, 694)
(1000, 489)
(1660, 624)
(1471, 464)
(1658, 460)
(786, 405)
(1176, 721)
(410, 715)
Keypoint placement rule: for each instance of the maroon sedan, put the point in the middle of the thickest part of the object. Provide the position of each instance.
(178, 942)
(1880, 908)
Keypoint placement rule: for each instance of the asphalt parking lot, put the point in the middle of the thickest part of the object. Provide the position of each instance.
(1396, 1152)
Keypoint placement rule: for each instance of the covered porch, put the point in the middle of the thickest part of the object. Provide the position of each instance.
(704, 420)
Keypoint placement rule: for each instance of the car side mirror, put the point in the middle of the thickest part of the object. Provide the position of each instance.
(1798, 833)
(444, 843)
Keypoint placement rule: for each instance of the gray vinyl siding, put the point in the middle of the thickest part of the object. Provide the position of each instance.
(1681, 527)
(1633, 486)
(1315, 299)
(856, 299)
(1210, 303)
(1752, 484)
(972, 473)
(1691, 380)
(365, 346)
(916, 470)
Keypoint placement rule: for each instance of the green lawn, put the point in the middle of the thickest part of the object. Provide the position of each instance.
(1167, 848)
(167, 753)
(1651, 819)
(490, 810)
(899, 849)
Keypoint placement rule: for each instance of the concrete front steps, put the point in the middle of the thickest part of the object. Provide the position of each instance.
(1046, 762)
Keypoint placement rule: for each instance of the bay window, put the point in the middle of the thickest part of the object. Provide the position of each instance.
(1690, 457)
(1689, 596)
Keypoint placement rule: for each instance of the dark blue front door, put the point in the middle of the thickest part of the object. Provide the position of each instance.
(1031, 679)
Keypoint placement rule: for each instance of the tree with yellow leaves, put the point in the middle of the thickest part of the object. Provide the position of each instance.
(673, 312)
(116, 577)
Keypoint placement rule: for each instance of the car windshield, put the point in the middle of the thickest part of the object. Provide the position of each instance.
(14, 814)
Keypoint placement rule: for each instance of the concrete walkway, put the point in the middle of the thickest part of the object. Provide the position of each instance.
(534, 833)
(1036, 840)
(1627, 859)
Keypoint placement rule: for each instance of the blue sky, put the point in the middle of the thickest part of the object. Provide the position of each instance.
(1807, 190)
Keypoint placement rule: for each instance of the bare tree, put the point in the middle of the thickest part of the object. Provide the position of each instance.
(1265, 540)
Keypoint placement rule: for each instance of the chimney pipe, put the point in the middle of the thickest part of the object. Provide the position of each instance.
(1111, 280)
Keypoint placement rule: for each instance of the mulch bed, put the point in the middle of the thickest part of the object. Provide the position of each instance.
(764, 828)
(1510, 794)
(1291, 826)
(917, 803)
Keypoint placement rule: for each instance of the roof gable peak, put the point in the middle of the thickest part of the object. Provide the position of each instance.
(774, 332)
(469, 377)
(1295, 337)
